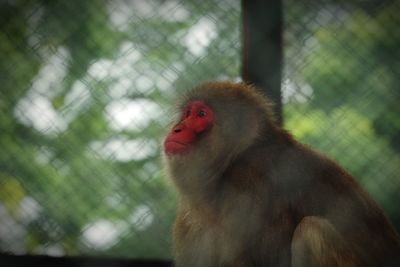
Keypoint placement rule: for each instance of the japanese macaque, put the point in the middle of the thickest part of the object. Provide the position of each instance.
(250, 195)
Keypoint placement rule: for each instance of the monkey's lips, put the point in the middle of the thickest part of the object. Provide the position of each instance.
(173, 147)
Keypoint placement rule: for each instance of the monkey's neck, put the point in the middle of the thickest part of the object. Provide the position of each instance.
(202, 191)
(205, 208)
(198, 176)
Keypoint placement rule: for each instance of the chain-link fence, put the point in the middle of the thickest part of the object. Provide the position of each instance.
(341, 89)
(85, 96)
(86, 87)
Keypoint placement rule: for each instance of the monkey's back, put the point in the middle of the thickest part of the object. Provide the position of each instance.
(300, 182)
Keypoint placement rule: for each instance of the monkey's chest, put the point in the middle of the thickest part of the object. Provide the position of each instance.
(242, 232)
(216, 246)
(245, 240)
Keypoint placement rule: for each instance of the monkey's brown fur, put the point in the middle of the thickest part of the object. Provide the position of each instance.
(250, 195)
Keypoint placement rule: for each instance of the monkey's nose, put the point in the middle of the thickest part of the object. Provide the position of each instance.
(177, 129)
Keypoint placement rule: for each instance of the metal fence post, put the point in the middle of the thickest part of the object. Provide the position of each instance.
(262, 48)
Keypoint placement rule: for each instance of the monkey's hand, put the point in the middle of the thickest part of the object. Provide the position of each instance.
(316, 243)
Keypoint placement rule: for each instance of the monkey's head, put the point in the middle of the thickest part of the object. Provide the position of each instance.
(217, 117)
(196, 120)
(217, 122)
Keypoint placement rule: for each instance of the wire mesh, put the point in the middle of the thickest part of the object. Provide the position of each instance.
(340, 88)
(85, 97)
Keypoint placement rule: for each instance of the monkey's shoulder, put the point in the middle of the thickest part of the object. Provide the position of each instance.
(284, 161)
(294, 172)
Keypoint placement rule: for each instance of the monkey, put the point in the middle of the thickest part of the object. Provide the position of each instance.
(251, 195)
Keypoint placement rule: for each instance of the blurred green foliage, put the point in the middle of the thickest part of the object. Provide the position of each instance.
(85, 93)
(344, 91)
(72, 180)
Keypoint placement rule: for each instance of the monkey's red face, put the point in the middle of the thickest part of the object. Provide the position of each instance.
(196, 119)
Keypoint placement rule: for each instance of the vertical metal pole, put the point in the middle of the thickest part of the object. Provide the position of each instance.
(262, 48)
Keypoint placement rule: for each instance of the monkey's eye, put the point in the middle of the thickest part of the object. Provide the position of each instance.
(201, 113)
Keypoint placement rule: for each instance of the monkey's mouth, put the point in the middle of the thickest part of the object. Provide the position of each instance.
(175, 147)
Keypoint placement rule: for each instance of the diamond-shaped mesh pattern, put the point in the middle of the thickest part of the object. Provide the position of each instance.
(85, 99)
(86, 90)
(341, 90)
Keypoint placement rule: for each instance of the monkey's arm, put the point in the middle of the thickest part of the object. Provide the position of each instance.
(317, 243)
